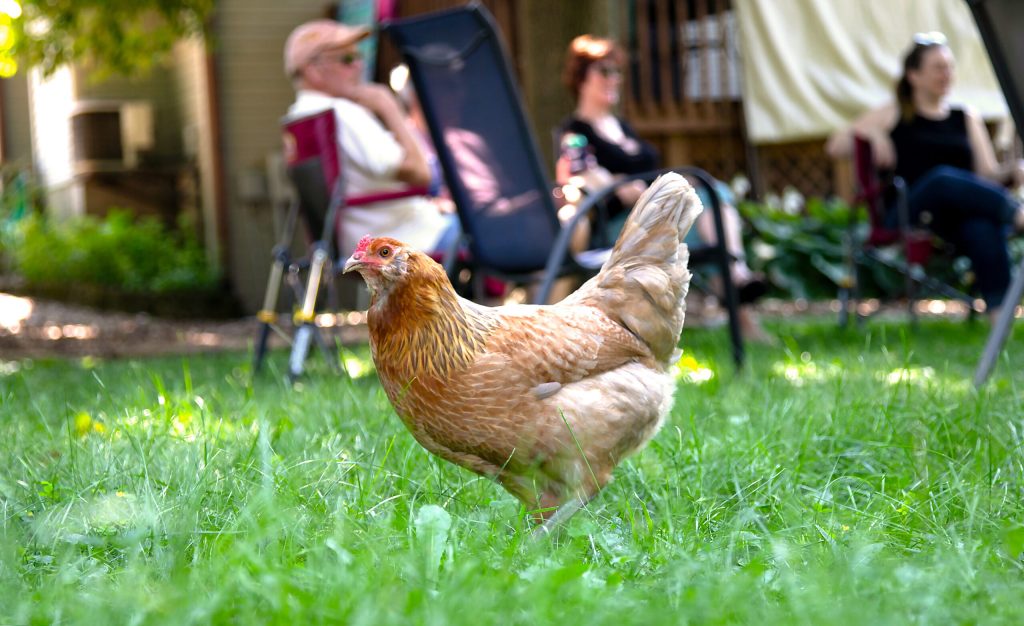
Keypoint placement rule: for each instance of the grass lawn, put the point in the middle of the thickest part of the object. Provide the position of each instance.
(845, 478)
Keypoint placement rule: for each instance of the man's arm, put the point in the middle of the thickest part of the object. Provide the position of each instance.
(413, 168)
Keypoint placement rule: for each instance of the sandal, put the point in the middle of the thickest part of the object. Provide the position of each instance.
(752, 290)
(1017, 228)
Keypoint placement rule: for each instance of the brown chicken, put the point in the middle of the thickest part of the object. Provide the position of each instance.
(545, 399)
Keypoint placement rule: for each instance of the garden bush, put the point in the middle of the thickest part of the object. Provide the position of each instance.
(120, 261)
(803, 248)
(117, 251)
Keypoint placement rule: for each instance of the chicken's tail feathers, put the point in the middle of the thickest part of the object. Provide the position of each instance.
(644, 282)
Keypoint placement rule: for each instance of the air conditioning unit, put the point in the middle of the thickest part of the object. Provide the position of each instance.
(109, 135)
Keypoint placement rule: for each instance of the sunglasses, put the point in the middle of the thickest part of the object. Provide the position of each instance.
(607, 71)
(933, 38)
(346, 58)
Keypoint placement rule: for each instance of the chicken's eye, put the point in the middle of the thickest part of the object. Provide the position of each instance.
(385, 252)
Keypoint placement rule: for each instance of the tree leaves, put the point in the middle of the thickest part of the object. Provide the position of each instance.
(109, 36)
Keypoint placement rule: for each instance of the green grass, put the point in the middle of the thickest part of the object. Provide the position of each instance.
(846, 478)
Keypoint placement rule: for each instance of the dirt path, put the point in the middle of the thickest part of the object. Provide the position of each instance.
(32, 328)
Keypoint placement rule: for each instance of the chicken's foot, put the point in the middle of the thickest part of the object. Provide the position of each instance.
(560, 516)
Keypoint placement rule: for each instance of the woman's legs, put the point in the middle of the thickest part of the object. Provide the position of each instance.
(972, 214)
(984, 243)
(733, 228)
(951, 195)
(741, 273)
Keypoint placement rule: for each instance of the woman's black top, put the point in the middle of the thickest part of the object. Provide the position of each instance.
(924, 143)
(612, 156)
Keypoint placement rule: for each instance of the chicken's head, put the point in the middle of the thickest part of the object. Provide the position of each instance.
(381, 261)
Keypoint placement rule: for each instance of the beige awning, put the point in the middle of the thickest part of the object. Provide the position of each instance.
(810, 66)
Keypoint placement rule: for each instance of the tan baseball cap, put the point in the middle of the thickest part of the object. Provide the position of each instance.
(312, 38)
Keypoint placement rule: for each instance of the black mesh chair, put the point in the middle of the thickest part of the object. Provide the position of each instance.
(492, 167)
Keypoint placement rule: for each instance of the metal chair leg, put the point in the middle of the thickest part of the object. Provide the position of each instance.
(260, 349)
(300, 349)
(1001, 330)
(282, 258)
(268, 314)
(305, 317)
(911, 284)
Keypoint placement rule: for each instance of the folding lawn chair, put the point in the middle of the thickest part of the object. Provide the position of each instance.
(314, 169)
(916, 246)
(999, 22)
(492, 167)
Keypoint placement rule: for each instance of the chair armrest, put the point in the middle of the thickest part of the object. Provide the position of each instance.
(902, 208)
(556, 260)
(589, 204)
(382, 196)
(701, 178)
(917, 243)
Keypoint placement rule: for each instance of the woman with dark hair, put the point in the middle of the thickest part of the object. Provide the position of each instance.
(593, 75)
(943, 152)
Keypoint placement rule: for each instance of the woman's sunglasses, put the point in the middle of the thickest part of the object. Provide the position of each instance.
(607, 71)
(346, 58)
(933, 38)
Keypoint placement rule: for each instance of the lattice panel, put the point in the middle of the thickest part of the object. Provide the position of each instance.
(723, 156)
(803, 165)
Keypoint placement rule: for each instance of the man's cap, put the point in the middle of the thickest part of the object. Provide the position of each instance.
(312, 38)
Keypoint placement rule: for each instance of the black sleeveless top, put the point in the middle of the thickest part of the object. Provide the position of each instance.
(924, 143)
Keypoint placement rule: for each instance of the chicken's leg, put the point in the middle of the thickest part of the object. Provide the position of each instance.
(560, 516)
(567, 509)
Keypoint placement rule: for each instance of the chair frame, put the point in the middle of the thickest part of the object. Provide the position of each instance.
(992, 17)
(312, 158)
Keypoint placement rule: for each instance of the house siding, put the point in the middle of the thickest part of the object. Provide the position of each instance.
(17, 132)
(253, 94)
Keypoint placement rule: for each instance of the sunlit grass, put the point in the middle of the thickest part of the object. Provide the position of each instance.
(847, 477)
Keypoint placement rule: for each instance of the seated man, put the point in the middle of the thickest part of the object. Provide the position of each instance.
(378, 149)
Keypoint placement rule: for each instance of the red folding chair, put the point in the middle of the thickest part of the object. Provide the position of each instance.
(314, 169)
(916, 245)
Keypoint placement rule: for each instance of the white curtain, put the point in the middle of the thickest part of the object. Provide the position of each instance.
(810, 66)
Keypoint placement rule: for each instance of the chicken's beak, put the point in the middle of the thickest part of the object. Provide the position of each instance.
(354, 262)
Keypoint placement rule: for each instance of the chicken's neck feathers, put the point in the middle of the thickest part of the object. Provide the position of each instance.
(422, 329)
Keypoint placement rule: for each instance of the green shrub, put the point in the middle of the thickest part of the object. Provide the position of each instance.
(804, 251)
(118, 252)
(20, 196)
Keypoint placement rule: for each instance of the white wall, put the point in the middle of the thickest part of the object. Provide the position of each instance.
(50, 102)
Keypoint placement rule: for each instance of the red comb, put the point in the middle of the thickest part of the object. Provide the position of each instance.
(364, 243)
